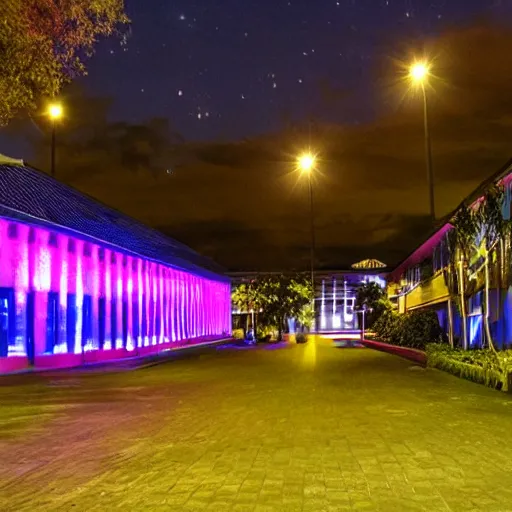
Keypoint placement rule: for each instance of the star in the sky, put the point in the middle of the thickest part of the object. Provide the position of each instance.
(288, 49)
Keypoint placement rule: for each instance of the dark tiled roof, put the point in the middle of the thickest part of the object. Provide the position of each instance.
(32, 196)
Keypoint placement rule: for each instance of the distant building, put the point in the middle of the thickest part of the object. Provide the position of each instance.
(81, 282)
(335, 296)
(335, 293)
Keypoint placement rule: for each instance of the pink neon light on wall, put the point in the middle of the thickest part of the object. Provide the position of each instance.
(168, 305)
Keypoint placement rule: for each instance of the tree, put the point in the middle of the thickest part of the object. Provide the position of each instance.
(491, 228)
(461, 242)
(247, 297)
(306, 316)
(451, 281)
(277, 297)
(44, 43)
(372, 298)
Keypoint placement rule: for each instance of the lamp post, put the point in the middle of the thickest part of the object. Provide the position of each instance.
(419, 73)
(55, 113)
(306, 164)
(363, 326)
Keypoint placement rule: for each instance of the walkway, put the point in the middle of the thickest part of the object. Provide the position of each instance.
(302, 428)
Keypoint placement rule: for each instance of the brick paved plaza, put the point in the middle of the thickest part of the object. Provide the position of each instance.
(300, 428)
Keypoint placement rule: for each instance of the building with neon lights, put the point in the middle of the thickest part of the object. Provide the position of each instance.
(335, 295)
(82, 283)
(420, 281)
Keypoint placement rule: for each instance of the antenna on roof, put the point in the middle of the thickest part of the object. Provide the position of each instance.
(7, 160)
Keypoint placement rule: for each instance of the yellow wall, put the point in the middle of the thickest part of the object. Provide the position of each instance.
(401, 304)
(393, 289)
(432, 291)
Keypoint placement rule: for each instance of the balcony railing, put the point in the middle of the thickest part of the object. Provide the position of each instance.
(430, 291)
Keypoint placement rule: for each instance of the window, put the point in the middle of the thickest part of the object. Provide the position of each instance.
(144, 320)
(12, 231)
(151, 329)
(113, 322)
(13, 336)
(507, 202)
(125, 323)
(413, 276)
(52, 322)
(441, 256)
(30, 327)
(102, 312)
(71, 322)
(4, 326)
(135, 321)
(53, 240)
(158, 326)
(87, 340)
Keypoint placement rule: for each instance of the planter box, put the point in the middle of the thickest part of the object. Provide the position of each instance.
(57, 361)
(13, 364)
(412, 354)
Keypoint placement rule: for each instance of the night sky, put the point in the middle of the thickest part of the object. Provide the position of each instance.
(250, 84)
(232, 69)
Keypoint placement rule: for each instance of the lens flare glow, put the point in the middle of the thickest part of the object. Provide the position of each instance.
(419, 72)
(306, 162)
(55, 111)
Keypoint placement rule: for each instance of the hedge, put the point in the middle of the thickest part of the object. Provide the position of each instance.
(480, 366)
(413, 330)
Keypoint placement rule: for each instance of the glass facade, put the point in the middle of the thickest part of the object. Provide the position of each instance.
(77, 301)
(335, 297)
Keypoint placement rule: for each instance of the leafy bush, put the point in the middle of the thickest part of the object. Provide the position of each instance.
(481, 366)
(387, 327)
(238, 334)
(419, 328)
(301, 337)
(267, 332)
(414, 329)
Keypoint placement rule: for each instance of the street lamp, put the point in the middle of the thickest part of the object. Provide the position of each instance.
(55, 113)
(306, 165)
(419, 73)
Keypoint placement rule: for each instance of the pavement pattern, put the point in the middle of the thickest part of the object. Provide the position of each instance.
(274, 428)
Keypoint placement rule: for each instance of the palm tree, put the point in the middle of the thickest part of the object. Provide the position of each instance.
(247, 297)
(504, 265)
(450, 279)
(491, 228)
(461, 242)
(372, 298)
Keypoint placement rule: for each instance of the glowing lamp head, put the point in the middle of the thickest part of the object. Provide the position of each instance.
(306, 162)
(55, 111)
(419, 72)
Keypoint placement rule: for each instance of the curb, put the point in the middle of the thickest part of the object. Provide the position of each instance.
(127, 364)
(412, 354)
